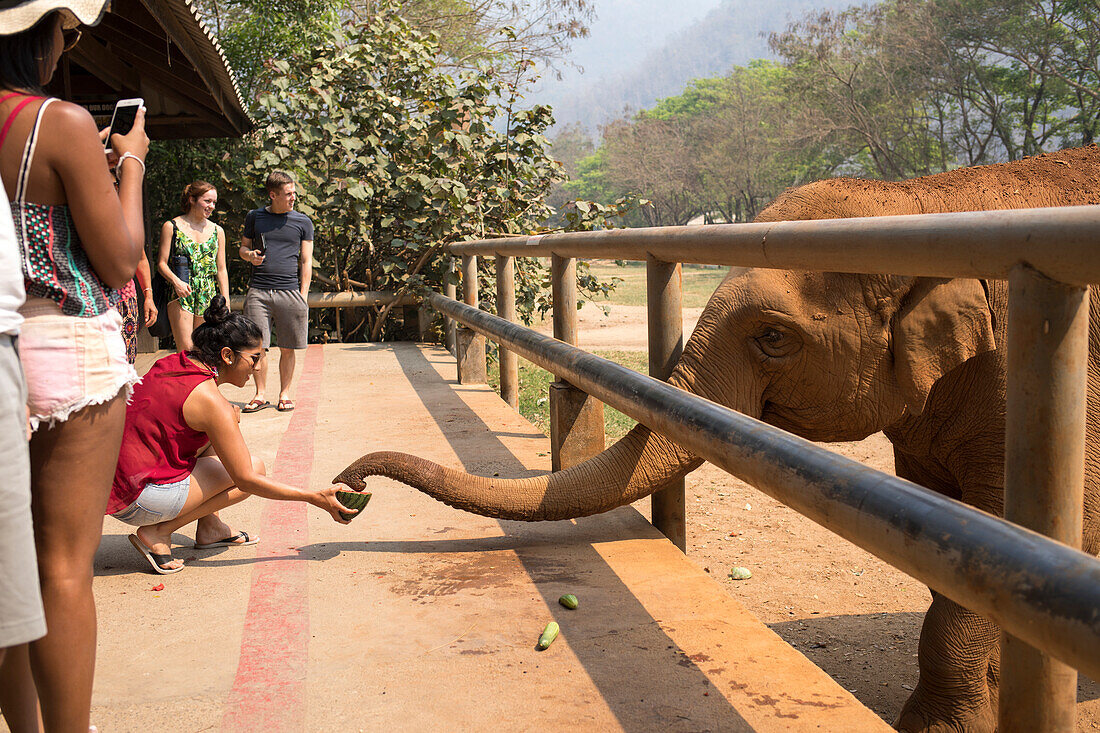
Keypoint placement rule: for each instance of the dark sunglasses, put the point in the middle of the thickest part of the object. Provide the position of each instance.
(254, 358)
(71, 37)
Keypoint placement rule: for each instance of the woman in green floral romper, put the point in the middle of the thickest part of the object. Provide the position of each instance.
(203, 242)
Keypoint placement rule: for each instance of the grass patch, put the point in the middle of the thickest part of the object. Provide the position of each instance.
(534, 391)
(534, 382)
(699, 282)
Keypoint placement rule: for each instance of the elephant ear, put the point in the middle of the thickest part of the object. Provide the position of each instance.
(940, 324)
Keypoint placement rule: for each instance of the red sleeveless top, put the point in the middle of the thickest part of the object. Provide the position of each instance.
(158, 447)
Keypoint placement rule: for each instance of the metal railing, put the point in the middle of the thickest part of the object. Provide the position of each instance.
(1042, 590)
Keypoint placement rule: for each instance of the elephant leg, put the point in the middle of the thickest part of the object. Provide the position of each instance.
(959, 657)
(993, 674)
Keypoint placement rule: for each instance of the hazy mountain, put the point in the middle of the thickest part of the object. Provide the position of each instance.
(649, 53)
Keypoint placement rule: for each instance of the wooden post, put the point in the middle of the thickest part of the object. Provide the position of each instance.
(1048, 354)
(664, 301)
(470, 345)
(423, 322)
(576, 419)
(450, 291)
(506, 309)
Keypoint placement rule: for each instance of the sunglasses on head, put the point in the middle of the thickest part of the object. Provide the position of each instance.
(71, 37)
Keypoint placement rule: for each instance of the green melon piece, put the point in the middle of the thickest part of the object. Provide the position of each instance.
(352, 500)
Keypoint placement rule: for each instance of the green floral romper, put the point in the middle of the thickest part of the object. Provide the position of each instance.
(204, 270)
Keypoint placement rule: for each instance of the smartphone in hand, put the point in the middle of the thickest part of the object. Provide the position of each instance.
(122, 119)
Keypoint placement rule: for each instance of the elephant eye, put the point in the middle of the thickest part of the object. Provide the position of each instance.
(776, 343)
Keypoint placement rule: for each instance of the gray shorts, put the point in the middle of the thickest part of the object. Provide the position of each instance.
(156, 503)
(287, 309)
(21, 617)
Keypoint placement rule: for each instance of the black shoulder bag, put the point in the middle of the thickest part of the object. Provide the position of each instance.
(180, 265)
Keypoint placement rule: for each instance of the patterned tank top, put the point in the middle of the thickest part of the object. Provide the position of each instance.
(55, 265)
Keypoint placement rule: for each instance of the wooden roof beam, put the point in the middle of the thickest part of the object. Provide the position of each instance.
(172, 25)
(90, 53)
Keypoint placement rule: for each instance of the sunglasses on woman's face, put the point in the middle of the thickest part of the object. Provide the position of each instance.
(254, 359)
(71, 37)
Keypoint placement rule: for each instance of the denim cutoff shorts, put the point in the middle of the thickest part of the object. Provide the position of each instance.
(156, 503)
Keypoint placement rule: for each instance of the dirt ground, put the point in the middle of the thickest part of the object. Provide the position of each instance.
(854, 616)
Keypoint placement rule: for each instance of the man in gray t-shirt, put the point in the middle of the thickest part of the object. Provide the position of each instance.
(278, 242)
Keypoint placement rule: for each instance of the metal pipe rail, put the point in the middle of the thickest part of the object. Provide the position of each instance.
(1060, 242)
(1039, 590)
(1048, 255)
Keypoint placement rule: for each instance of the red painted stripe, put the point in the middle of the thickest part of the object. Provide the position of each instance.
(269, 692)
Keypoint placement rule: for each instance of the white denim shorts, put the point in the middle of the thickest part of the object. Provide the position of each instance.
(70, 362)
(156, 503)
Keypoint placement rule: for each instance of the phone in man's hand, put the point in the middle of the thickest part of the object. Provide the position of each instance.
(260, 245)
(122, 119)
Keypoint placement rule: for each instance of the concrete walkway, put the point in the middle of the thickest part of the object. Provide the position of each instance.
(420, 617)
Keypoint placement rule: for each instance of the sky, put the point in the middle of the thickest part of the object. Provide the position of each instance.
(619, 39)
(640, 51)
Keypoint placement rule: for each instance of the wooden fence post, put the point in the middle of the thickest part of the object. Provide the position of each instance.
(506, 309)
(1048, 356)
(470, 345)
(664, 303)
(576, 419)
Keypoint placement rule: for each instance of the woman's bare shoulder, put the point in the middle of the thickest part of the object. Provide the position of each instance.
(70, 118)
(205, 406)
(208, 392)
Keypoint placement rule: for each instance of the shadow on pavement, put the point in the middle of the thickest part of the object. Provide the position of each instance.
(634, 664)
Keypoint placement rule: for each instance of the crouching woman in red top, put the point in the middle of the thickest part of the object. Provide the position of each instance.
(183, 456)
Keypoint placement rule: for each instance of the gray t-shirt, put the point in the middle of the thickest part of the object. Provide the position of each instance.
(281, 237)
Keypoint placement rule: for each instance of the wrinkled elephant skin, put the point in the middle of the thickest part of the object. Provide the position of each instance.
(832, 356)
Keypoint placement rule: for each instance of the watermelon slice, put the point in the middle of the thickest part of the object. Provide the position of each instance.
(352, 500)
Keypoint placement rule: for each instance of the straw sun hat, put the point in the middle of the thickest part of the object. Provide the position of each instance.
(19, 15)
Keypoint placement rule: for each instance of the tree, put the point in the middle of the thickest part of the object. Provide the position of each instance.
(652, 157)
(747, 143)
(918, 86)
(474, 31)
(251, 32)
(848, 85)
(568, 147)
(1049, 47)
(395, 158)
(724, 147)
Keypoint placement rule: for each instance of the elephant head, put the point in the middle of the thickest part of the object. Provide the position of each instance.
(827, 356)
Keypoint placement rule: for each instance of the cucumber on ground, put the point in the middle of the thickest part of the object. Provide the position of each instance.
(548, 635)
(569, 601)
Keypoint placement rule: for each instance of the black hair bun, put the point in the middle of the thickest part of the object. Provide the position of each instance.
(217, 312)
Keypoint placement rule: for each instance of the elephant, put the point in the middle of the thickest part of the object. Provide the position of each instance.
(837, 357)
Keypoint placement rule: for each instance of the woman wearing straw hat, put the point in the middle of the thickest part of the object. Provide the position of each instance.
(80, 241)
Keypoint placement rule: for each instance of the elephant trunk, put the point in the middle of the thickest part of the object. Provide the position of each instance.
(636, 466)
